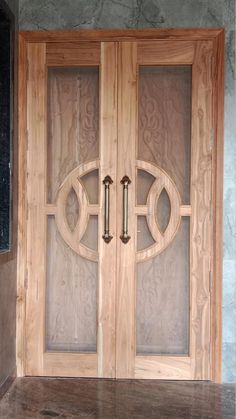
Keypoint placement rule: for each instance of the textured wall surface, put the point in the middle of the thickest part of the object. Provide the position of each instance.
(8, 297)
(77, 14)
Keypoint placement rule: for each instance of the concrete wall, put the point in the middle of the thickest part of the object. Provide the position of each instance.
(8, 290)
(77, 14)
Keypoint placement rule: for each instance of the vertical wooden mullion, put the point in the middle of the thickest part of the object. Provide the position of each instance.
(201, 203)
(36, 232)
(125, 295)
(107, 251)
(218, 174)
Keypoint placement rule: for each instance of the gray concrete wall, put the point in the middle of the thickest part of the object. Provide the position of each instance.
(78, 14)
(8, 291)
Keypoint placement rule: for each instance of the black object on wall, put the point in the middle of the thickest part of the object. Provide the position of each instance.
(6, 124)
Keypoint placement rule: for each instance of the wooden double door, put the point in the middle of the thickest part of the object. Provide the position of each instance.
(119, 208)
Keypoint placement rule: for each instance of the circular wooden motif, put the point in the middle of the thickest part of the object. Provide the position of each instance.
(73, 238)
(162, 239)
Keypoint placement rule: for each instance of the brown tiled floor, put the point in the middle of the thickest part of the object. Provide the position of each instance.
(123, 399)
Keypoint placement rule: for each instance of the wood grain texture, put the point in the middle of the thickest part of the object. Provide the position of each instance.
(73, 54)
(66, 331)
(164, 52)
(125, 285)
(201, 202)
(165, 121)
(216, 86)
(36, 117)
(162, 312)
(120, 35)
(72, 284)
(73, 131)
(74, 238)
(107, 251)
(167, 367)
(162, 239)
(217, 184)
(69, 365)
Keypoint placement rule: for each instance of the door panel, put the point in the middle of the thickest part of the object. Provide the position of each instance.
(119, 192)
(72, 279)
(163, 299)
(173, 255)
(68, 294)
(125, 287)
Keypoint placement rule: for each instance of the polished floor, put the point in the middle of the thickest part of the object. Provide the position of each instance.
(122, 399)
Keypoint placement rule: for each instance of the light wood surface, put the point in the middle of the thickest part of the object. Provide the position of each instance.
(69, 364)
(162, 312)
(156, 52)
(165, 120)
(120, 35)
(36, 117)
(162, 181)
(107, 251)
(73, 130)
(126, 364)
(125, 281)
(71, 297)
(201, 202)
(73, 54)
(166, 367)
(73, 238)
(217, 184)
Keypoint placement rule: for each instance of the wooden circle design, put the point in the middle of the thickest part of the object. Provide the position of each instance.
(73, 238)
(162, 239)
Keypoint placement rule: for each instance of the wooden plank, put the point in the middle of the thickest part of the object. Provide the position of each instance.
(73, 54)
(218, 171)
(22, 208)
(59, 364)
(163, 367)
(36, 124)
(165, 52)
(119, 35)
(107, 251)
(126, 293)
(201, 203)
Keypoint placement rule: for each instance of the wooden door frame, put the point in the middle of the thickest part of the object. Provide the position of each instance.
(215, 35)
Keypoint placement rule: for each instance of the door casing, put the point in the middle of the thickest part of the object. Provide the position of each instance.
(217, 37)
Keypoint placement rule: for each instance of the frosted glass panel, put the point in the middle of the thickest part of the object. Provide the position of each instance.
(165, 121)
(163, 298)
(163, 210)
(71, 297)
(144, 237)
(144, 183)
(90, 182)
(73, 118)
(90, 237)
(72, 209)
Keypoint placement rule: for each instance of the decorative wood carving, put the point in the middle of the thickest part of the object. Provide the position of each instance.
(73, 237)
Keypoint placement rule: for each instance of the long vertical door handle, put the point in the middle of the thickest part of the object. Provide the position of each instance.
(106, 236)
(125, 181)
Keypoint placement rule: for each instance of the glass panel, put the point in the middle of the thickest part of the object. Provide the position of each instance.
(90, 237)
(163, 210)
(90, 182)
(163, 299)
(6, 131)
(71, 297)
(144, 183)
(165, 121)
(144, 237)
(72, 209)
(73, 117)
